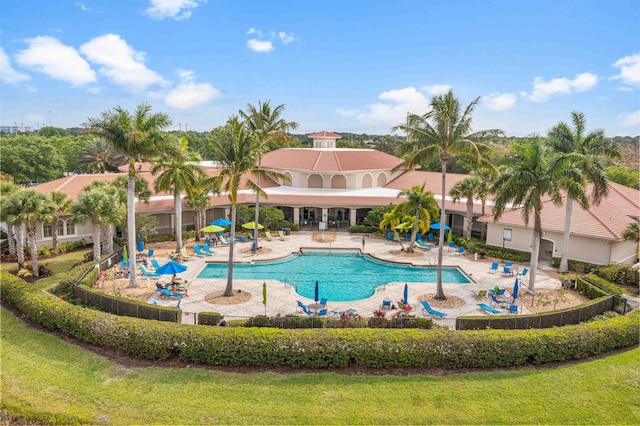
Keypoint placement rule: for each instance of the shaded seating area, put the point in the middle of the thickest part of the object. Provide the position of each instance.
(427, 309)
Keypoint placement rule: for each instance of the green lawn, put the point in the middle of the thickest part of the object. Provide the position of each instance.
(51, 381)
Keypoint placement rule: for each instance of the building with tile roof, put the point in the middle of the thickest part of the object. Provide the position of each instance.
(333, 188)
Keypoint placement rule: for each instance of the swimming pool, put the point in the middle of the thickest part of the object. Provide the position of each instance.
(342, 275)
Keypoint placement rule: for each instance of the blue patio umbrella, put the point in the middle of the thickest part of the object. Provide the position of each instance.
(140, 244)
(316, 294)
(406, 294)
(437, 226)
(221, 222)
(516, 289)
(171, 268)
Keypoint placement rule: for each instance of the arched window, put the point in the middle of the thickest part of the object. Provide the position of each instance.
(339, 182)
(288, 179)
(367, 181)
(315, 181)
(382, 179)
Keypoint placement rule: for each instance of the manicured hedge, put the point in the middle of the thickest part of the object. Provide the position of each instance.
(576, 265)
(620, 274)
(321, 348)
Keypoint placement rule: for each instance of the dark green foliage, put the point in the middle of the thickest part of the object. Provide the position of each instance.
(291, 225)
(321, 348)
(364, 229)
(208, 318)
(603, 284)
(375, 216)
(589, 290)
(577, 266)
(619, 274)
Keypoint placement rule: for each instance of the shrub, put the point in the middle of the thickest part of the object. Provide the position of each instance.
(322, 348)
(291, 225)
(576, 265)
(208, 318)
(364, 229)
(619, 274)
(603, 284)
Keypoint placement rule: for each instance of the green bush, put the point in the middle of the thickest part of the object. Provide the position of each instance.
(509, 254)
(589, 290)
(364, 229)
(619, 274)
(576, 265)
(159, 238)
(325, 347)
(208, 318)
(291, 225)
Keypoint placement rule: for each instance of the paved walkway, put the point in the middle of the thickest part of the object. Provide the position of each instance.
(282, 298)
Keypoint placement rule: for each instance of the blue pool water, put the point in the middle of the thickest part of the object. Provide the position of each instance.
(342, 276)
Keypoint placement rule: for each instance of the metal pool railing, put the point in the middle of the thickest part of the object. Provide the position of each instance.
(289, 281)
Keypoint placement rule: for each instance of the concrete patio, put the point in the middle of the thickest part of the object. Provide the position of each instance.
(282, 298)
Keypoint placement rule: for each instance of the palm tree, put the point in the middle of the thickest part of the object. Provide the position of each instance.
(270, 131)
(584, 153)
(61, 203)
(525, 183)
(139, 137)
(112, 216)
(7, 189)
(467, 188)
(421, 206)
(236, 150)
(392, 220)
(444, 132)
(99, 154)
(485, 180)
(632, 232)
(27, 208)
(100, 207)
(198, 199)
(177, 173)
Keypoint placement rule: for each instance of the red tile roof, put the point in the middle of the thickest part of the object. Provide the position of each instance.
(329, 160)
(325, 134)
(608, 220)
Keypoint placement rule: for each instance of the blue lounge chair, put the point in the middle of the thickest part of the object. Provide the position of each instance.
(146, 273)
(389, 236)
(198, 252)
(488, 309)
(207, 250)
(167, 293)
(301, 305)
(522, 274)
(306, 310)
(452, 246)
(430, 238)
(150, 253)
(323, 301)
(242, 239)
(421, 244)
(459, 251)
(428, 309)
(155, 263)
(494, 268)
(322, 313)
(513, 309)
(336, 313)
(386, 304)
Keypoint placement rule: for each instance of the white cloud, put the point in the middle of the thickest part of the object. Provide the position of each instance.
(259, 46)
(500, 102)
(437, 89)
(263, 42)
(120, 63)
(393, 109)
(47, 55)
(82, 7)
(286, 38)
(188, 94)
(347, 112)
(176, 9)
(7, 73)
(542, 90)
(630, 119)
(629, 70)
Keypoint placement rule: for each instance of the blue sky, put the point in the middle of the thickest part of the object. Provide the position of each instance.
(343, 66)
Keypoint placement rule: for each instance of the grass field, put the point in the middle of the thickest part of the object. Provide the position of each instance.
(50, 381)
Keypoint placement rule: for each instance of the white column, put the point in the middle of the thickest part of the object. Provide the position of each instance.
(296, 215)
(352, 216)
(325, 215)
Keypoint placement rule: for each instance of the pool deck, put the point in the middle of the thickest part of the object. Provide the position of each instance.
(282, 299)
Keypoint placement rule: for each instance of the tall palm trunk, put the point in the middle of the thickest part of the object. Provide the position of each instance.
(104, 237)
(177, 202)
(254, 247)
(483, 229)
(564, 261)
(20, 244)
(108, 235)
(535, 249)
(467, 231)
(412, 243)
(31, 234)
(131, 224)
(97, 238)
(54, 233)
(11, 240)
(228, 291)
(439, 290)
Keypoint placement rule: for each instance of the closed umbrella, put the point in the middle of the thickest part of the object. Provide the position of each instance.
(406, 293)
(171, 268)
(125, 259)
(221, 222)
(449, 236)
(140, 244)
(516, 289)
(316, 295)
(264, 297)
(212, 228)
(437, 226)
(251, 225)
